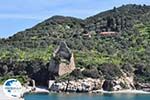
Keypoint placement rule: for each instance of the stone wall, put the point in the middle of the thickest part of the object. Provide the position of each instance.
(62, 61)
(67, 68)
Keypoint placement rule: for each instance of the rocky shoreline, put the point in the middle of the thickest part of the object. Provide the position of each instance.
(91, 85)
(121, 85)
(80, 85)
(95, 85)
(125, 91)
(87, 85)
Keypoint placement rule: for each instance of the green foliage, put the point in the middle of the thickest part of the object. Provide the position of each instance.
(26, 54)
(110, 71)
(85, 59)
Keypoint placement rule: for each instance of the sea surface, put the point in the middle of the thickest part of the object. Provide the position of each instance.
(57, 96)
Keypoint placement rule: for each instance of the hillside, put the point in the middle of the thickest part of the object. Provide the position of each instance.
(118, 39)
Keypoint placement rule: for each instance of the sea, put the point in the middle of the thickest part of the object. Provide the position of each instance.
(73, 96)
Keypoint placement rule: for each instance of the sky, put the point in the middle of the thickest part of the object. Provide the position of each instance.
(18, 15)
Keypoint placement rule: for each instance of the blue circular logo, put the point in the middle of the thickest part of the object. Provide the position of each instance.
(12, 88)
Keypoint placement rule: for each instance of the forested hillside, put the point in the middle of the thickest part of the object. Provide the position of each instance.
(112, 40)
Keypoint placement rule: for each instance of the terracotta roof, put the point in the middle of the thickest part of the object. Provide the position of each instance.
(108, 33)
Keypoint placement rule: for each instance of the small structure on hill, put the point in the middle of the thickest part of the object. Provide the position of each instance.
(108, 33)
(62, 61)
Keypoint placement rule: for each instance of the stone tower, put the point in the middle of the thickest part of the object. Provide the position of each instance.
(62, 61)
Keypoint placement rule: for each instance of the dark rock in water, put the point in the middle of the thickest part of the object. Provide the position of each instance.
(62, 61)
(108, 85)
(143, 86)
(123, 82)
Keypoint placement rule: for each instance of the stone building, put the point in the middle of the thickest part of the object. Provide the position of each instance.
(62, 61)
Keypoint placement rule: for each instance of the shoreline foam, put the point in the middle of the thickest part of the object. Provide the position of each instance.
(44, 90)
(122, 92)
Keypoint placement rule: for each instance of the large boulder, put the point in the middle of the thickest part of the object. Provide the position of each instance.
(121, 83)
(108, 85)
(62, 61)
(143, 86)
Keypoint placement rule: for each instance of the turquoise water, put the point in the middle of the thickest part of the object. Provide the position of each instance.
(87, 97)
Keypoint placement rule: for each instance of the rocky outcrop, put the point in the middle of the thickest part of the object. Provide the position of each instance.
(143, 86)
(91, 84)
(121, 83)
(62, 61)
(80, 85)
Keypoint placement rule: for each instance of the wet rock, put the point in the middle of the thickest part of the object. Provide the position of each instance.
(143, 86)
(108, 85)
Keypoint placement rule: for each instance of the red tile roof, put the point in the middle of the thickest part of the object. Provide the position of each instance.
(108, 33)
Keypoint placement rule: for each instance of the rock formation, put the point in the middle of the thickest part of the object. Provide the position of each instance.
(80, 85)
(124, 82)
(143, 86)
(91, 84)
(62, 61)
